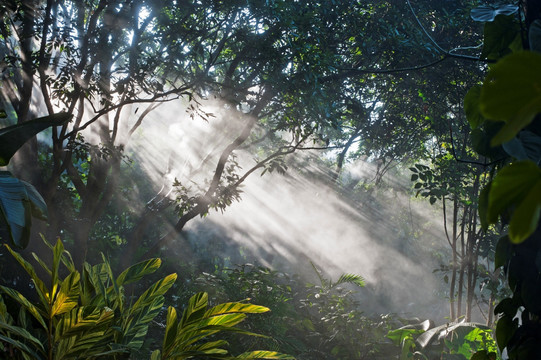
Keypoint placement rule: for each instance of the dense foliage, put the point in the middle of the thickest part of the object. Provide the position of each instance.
(450, 91)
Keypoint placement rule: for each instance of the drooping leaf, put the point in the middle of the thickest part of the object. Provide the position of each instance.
(24, 302)
(40, 287)
(512, 93)
(351, 279)
(13, 137)
(20, 345)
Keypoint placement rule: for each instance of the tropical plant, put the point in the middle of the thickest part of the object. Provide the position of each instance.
(456, 340)
(510, 98)
(19, 200)
(89, 315)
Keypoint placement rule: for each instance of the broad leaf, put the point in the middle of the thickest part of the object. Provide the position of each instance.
(512, 93)
(488, 13)
(13, 137)
(510, 186)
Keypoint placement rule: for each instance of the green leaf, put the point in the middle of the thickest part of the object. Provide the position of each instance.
(22, 333)
(235, 307)
(137, 271)
(510, 186)
(13, 137)
(41, 290)
(31, 308)
(504, 252)
(171, 327)
(159, 288)
(68, 296)
(197, 306)
(156, 355)
(263, 355)
(505, 328)
(20, 345)
(471, 107)
(351, 279)
(498, 37)
(525, 218)
(512, 93)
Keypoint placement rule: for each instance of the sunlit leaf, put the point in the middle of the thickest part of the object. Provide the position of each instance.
(264, 355)
(68, 295)
(137, 271)
(235, 307)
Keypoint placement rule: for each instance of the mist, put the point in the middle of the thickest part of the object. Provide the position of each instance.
(288, 221)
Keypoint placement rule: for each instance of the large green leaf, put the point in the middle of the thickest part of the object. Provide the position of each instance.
(13, 137)
(519, 185)
(499, 36)
(488, 13)
(512, 93)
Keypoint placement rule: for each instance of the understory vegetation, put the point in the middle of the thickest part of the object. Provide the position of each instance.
(197, 179)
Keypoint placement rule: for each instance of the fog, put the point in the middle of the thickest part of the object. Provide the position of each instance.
(287, 221)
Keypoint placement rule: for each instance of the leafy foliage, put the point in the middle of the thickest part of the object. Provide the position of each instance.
(88, 315)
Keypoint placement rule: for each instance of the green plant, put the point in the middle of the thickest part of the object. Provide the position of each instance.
(19, 200)
(89, 315)
(184, 337)
(457, 340)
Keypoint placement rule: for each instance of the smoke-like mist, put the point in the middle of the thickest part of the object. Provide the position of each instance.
(286, 221)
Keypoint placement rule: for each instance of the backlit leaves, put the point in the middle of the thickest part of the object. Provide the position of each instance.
(512, 93)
